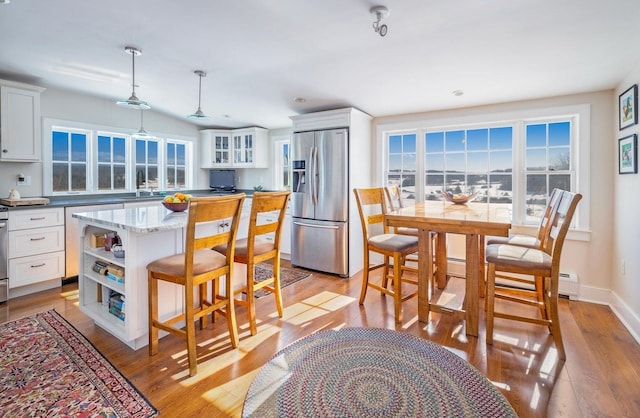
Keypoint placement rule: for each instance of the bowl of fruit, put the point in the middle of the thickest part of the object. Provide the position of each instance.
(459, 198)
(178, 202)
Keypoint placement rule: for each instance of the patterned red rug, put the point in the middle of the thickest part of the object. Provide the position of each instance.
(48, 368)
(287, 277)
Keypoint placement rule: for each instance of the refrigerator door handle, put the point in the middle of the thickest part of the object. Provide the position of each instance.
(316, 226)
(314, 175)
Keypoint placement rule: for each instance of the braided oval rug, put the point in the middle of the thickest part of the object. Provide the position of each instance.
(371, 372)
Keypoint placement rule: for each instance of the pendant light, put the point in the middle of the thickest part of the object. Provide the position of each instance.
(142, 132)
(199, 114)
(133, 102)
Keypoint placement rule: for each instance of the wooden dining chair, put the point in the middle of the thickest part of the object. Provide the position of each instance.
(394, 201)
(195, 269)
(372, 208)
(262, 244)
(532, 241)
(535, 267)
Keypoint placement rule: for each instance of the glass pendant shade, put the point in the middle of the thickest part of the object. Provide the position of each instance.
(133, 102)
(142, 133)
(199, 114)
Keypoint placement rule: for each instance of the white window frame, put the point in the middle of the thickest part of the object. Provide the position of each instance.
(92, 157)
(580, 143)
(278, 142)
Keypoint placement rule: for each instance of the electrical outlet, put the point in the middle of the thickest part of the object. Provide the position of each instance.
(623, 267)
(24, 181)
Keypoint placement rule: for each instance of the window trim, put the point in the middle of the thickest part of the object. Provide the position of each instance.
(92, 158)
(582, 141)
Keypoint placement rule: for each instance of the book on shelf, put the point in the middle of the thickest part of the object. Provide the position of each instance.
(117, 305)
(100, 267)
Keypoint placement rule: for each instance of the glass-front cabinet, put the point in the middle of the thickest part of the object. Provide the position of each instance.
(246, 147)
(221, 148)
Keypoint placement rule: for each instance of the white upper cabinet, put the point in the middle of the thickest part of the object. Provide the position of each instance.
(247, 147)
(20, 127)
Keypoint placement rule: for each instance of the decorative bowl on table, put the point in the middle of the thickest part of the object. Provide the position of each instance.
(459, 198)
(176, 207)
(179, 202)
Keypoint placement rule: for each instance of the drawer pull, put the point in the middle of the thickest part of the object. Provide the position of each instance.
(38, 265)
(37, 239)
(38, 219)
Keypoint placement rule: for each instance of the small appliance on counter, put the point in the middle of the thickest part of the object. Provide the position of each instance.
(14, 199)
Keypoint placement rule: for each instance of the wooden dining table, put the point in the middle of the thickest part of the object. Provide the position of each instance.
(474, 220)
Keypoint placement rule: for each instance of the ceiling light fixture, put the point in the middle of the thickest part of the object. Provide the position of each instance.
(379, 12)
(199, 114)
(133, 102)
(142, 132)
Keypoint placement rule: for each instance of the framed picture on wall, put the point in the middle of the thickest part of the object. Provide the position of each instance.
(628, 155)
(628, 107)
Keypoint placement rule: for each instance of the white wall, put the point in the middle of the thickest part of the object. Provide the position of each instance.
(625, 219)
(591, 259)
(65, 105)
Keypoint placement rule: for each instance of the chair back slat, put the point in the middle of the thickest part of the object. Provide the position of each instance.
(544, 230)
(207, 210)
(394, 199)
(267, 202)
(372, 209)
(560, 223)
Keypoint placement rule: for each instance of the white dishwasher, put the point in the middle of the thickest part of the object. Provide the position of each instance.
(71, 232)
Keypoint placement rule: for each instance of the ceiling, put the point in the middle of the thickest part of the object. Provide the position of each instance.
(261, 54)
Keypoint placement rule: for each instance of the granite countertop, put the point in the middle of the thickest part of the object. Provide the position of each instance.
(143, 219)
(100, 199)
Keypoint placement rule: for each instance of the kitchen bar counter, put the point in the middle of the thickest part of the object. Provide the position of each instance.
(115, 296)
(143, 219)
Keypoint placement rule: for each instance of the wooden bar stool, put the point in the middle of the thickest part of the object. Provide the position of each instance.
(372, 208)
(535, 267)
(194, 269)
(262, 244)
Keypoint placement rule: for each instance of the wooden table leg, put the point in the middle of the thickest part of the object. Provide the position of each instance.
(471, 296)
(441, 260)
(425, 272)
(481, 269)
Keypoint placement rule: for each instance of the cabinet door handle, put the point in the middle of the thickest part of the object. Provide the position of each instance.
(38, 265)
(37, 219)
(37, 239)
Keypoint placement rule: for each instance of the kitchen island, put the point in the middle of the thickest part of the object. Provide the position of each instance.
(113, 291)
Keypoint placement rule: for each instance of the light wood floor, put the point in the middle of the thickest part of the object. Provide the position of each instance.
(601, 377)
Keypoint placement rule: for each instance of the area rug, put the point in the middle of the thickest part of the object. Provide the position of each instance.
(48, 368)
(287, 276)
(371, 372)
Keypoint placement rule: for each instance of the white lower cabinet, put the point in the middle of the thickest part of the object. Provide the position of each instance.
(36, 247)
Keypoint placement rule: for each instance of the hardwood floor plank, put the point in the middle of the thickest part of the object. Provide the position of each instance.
(601, 376)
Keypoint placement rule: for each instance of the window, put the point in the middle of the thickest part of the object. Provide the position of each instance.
(91, 159)
(548, 163)
(69, 160)
(176, 165)
(517, 161)
(402, 164)
(282, 173)
(111, 162)
(147, 162)
(470, 161)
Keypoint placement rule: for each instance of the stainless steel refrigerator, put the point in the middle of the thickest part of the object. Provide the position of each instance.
(320, 201)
